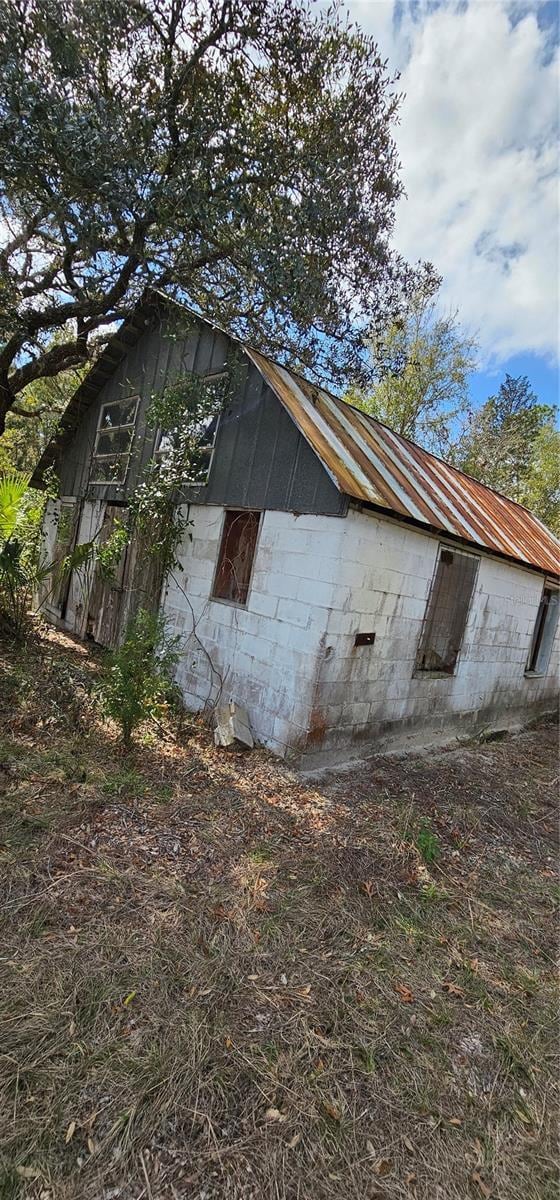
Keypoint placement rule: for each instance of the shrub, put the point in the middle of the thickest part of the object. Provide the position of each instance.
(137, 682)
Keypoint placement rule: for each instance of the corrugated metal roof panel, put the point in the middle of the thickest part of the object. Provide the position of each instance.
(371, 463)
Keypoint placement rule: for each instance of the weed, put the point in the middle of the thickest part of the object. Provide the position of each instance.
(127, 783)
(431, 892)
(427, 842)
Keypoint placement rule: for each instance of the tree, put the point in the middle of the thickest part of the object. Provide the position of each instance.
(422, 363)
(31, 424)
(505, 440)
(541, 488)
(237, 152)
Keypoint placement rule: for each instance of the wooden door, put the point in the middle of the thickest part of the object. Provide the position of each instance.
(107, 594)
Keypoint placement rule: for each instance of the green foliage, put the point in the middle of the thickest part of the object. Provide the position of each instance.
(21, 565)
(13, 487)
(198, 146)
(137, 682)
(30, 428)
(422, 365)
(109, 554)
(183, 412)
(427, 842)
(511, 444)
(540, 490)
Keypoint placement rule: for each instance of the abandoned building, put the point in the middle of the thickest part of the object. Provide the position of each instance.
(349, 589)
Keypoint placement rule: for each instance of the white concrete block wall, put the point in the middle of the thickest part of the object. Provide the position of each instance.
(265, 655)
(289, 654)
(362, 691)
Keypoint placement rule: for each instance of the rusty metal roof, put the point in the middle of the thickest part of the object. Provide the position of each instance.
(369, 462)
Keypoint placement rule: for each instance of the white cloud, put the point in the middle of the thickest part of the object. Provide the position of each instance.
(477, 140)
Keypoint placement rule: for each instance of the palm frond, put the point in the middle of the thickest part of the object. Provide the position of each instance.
(13, 486)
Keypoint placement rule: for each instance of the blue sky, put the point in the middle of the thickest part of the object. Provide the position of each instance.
(478, 140)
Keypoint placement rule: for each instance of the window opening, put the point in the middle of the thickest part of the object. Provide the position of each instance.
(236, 556)
(114, 440)
(447, 611)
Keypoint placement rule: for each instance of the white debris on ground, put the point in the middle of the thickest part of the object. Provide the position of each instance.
(232, 727)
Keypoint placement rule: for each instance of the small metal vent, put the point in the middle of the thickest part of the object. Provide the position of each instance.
(364, 639)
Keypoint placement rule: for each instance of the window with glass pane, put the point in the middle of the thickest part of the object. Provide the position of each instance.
(545, 628)
(237, 552)
(113, 442)
(201, 433)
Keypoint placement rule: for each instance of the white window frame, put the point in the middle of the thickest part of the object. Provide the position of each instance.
(124, 454)
(211, 377)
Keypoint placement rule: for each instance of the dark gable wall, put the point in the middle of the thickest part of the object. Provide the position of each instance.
(260, 459)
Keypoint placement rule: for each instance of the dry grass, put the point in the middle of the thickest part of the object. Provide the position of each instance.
(219, 981)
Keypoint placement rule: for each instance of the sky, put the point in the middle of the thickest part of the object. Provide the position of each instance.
(478, 138)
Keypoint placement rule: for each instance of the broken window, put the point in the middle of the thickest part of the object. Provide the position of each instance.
(447, 611)
(113, 441)
(201, 433)
(545, 628)
(235, 559)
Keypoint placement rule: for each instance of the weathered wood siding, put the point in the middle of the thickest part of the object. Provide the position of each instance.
(260, 459)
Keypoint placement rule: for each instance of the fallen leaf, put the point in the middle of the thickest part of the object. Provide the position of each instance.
(452, 989)
(477, 1178)
(332, 1110)
(455, 1121)
(91, 1145)
(410, 1178)
(70, 1132)
(228, 1043)
(383, 1166)
(273, 1114)
(408, 1144)
(128, 999)
(294, 1141)
(28, 1172)
(404, 992)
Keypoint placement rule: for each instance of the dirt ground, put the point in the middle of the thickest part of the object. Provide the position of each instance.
(219, 980)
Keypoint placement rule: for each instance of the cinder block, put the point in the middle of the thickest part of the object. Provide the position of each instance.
(259, 602)
(314, 592)
(294, 612)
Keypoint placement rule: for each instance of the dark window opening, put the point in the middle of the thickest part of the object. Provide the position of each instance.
(447, 612)
(235, 560)
(545, 628)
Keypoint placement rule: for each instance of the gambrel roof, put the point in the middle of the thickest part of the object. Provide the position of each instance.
(366, 460)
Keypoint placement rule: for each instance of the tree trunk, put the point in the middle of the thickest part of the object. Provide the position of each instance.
(6, 400)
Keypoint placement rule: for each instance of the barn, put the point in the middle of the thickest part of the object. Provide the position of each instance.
(352, 591)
